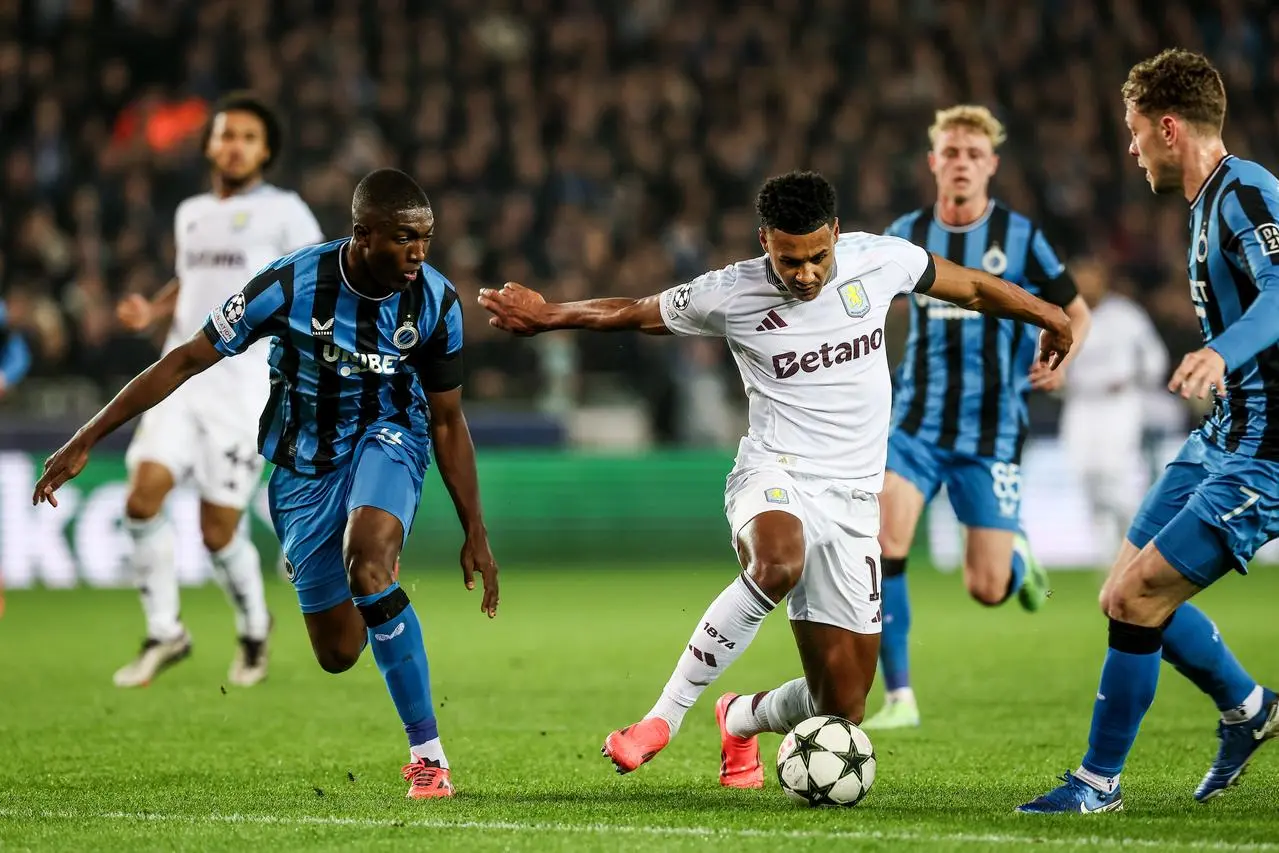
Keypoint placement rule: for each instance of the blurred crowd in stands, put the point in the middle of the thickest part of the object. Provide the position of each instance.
(580, 146)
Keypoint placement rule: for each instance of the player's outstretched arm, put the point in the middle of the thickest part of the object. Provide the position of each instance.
(145, 390)
(455, 454)
(521, 311)
(980, 291)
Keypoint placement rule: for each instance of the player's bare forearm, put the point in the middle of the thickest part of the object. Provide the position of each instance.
(980, 291)
(1080, 319)
(610, 315)
(522, 311)
(455, 455)
(152, 385)
(165, 300)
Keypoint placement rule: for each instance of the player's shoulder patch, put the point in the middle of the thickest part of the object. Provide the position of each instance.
(225, 317)
(1267, 234)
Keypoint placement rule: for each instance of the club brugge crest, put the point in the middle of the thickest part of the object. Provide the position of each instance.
(289, 571)
(994, 261)
(407, 336)
(856, 302)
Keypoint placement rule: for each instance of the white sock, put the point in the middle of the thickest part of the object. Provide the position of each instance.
(156, 575)
(1105, 784)
(778, 710)
(901, 694)
(432, 751)
(238, 570)
(1250, 708)
(724, 632)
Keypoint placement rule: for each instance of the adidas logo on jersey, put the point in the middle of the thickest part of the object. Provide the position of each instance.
(772, 322)
(322, 330)
(788, 364)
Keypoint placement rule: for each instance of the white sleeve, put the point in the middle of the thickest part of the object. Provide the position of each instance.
(918, 266)
(300, 227)
(697, 307)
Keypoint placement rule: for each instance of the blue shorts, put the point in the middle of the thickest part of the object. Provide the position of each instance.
(310, 511)
(1210, 511)
(983, 491)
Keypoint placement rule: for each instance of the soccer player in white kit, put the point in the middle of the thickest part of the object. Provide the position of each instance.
(805, 324)
(1109, 381)
(207, 430)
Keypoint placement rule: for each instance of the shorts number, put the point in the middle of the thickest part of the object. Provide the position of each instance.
(1006, 484)
(874, 578)
(1252, 498)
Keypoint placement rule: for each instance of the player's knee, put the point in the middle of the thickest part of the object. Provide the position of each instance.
(216, 535)
(142, 504)
(776, 576)
(985, 586)
(369, 566)
(334, 659)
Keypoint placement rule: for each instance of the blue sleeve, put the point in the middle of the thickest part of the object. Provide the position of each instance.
(438, 359)
(15, 360)
(1046, 271)
(1252, 217)
(260, 310)
(901, 226)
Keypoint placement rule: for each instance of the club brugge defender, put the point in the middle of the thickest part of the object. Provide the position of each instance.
(1218, 501)
(805, 323)
(365, 377)
(959, 413)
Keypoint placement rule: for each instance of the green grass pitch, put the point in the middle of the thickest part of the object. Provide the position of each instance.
(309, 761)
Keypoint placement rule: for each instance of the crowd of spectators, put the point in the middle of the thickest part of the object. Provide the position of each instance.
(580, 146)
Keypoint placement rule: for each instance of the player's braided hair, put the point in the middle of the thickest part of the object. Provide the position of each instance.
(796, 203)
(387, 192)
(247, 102)
(1178, 82)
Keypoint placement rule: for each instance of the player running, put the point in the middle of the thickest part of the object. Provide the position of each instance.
(805, 323)
(1104, 411)
(959, 414)
(207, 429)
(1218, 501)
(366, 369)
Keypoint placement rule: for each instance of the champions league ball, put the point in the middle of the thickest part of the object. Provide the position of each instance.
(826, 761)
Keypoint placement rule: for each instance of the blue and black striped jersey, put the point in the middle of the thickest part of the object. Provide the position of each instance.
(342, 364)
(964, 376)
(1234, 283)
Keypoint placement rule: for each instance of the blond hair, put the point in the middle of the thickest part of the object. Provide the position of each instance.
(969, 117)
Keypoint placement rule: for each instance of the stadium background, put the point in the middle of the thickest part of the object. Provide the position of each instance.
(586, 148)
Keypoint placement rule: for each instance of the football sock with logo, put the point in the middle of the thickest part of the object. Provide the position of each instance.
(156, 575)
(238, 570)
(1128, 680)
(724, 632)
(894, 653)
(1193, 645)
(778, 710)
(395, 634)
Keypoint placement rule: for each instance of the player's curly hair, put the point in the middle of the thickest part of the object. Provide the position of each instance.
(796, 203)
(247, 102)
(1178, 82)
(387, 192)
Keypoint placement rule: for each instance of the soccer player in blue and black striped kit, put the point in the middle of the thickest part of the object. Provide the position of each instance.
(959, 407)
(365, 377)
(1217, 503)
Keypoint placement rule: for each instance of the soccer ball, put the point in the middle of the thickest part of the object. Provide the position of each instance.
(826, 761)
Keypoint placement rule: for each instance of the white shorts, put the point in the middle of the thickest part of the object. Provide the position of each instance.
(202, 440)
(840, 582)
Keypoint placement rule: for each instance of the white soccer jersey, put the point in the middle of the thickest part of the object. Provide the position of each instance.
(221, 244)
(1123, 353)
(816, 373)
